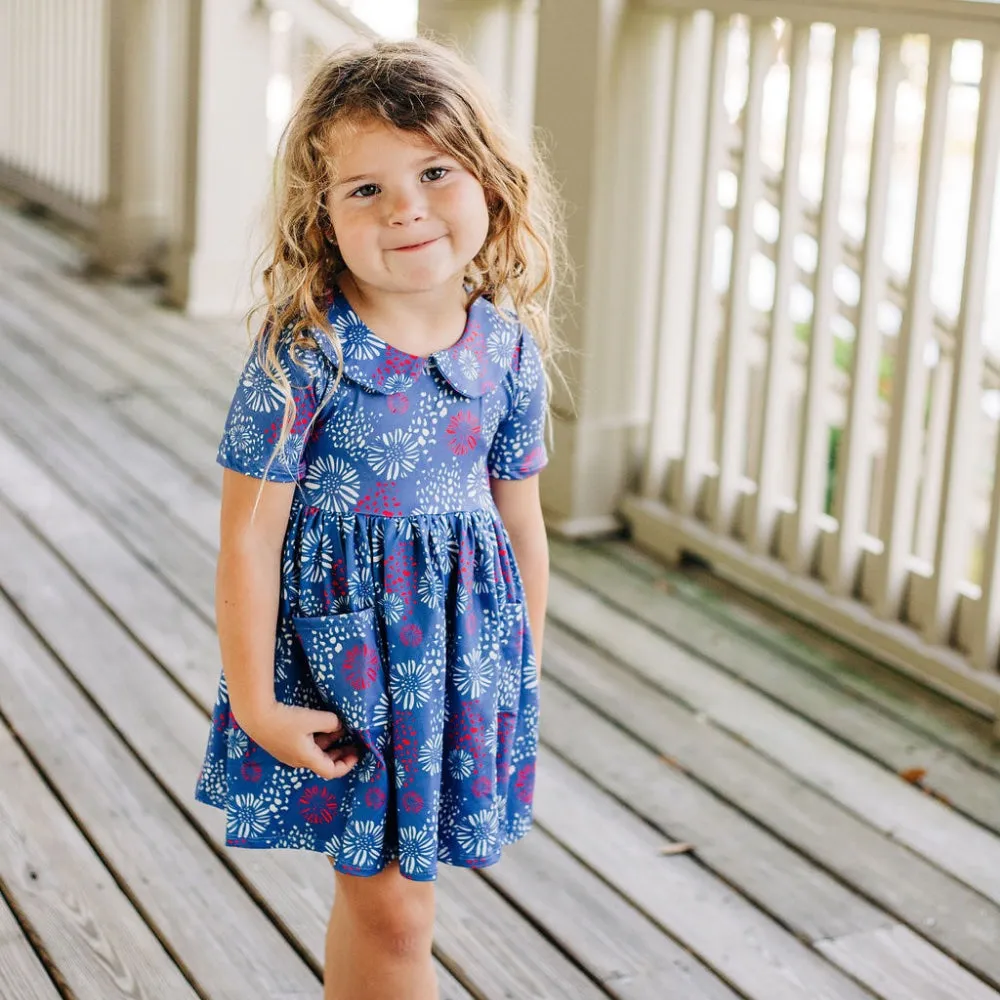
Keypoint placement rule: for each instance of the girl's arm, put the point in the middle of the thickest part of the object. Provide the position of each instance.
(520, 507)
(247, 587)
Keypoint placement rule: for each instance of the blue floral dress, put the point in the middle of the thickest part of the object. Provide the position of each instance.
(401, 607)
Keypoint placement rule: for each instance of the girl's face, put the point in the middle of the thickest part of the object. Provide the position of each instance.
(407, 217)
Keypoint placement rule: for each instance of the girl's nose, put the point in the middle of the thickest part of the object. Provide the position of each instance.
(407, 207)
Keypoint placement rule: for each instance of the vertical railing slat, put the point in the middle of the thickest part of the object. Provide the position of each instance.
(902, 463)
(698, 426)
(952, 551)
(730, 426)
(775, 388)
(799, 550)
(854, 457)
(685, 183)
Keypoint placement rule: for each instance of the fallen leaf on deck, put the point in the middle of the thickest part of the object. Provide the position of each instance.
(679, 848)
(914, 775)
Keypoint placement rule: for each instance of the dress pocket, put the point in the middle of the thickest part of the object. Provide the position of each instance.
(344, 660)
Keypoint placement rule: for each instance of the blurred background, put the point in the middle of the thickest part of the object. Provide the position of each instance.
(773, 496)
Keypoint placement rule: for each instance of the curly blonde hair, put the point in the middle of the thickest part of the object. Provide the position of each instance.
(421, 87)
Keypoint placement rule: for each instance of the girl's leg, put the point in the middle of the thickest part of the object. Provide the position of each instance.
(378, 943)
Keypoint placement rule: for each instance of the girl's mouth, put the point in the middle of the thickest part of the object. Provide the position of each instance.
(416, 246)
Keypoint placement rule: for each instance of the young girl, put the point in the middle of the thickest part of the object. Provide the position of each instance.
(383, 569)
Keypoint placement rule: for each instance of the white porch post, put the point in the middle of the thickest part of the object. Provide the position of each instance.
(602, 104)
(499, 38)
(230, 166)
(133, 218)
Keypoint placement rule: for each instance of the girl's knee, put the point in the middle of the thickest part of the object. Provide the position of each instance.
(396, 910)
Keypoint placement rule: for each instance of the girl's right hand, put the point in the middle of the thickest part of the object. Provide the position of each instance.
(301, 737)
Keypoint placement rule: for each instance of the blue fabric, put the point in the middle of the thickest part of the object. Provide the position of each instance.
(402, 607)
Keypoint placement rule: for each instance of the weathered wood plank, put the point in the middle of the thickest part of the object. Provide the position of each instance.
(835, 710)
(623, 949)
(954, 917)
(83, 921)
(895, 694)
(22, 974)
(175, 877)
(899, 966)
(884, 800)
(126, 508)
(177, 491)
(746, 948)
(794, 890)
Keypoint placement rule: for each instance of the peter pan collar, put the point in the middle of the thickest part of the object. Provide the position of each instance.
(474, 365)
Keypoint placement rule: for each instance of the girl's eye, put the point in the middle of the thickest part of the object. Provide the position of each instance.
(437, 172)
(365, 191)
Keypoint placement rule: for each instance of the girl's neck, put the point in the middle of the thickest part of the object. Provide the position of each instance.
(418, 323)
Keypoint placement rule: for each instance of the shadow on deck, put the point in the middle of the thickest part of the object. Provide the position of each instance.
(842, 823)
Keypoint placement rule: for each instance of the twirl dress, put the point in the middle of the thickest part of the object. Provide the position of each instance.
(401, 602)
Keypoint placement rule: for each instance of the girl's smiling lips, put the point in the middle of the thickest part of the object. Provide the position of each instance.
(416, 246)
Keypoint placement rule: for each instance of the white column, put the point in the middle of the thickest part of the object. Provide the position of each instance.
(602, 101)
(132, 218)
(499, 38)
(229, 166)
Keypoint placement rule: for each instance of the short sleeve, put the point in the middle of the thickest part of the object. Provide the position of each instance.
(257, 412)
(518, 449)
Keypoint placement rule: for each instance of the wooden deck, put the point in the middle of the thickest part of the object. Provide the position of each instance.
(845, 822)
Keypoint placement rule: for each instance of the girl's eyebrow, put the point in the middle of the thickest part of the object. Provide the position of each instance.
(361, 177)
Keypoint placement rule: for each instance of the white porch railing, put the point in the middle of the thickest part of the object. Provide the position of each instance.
(53, 103)
(823, 413)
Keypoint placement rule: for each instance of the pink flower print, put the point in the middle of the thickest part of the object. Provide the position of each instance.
(250, 770)
(463, 432)
(471, 623)
(361, 666)
(532, 459)
(398, 402)
(375, 798)
(383, 502)
(525, 784)
(482, 786)
(412, 801)
(317, 805)
(411, 634)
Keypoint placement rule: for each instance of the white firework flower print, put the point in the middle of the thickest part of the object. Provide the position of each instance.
(238, 743)
(468, 363)
(430, 754)
(366, 768)
(410, 684)
(474, 674)
(316, 558)
(333, 484)
(461, 600)
(478, 484)
(363, 843)
(248, 817)
(461, 764)
(416, 850)
(393, 607)
(244, 436)
(261, 392)
(478, 834)
(355, 338)
(394, 454)
(299, 837)
(396, 383)
(361, 587)
(430, 590)
(332, 846)
(500, 343)
(380, 714)
(484, 577)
